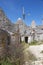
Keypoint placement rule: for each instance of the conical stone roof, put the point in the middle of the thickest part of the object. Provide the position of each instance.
(20, 21)
(33, 24)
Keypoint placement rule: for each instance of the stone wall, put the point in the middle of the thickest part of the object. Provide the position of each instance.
(4, 42)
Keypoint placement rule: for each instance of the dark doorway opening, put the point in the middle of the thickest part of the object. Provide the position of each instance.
(20, 39)
(8, 40)
(26, 39)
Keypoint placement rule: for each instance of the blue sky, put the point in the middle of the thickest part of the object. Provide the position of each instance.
(13, 10)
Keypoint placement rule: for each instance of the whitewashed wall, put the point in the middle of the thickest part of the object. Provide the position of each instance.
(29, 39)
(22, 38)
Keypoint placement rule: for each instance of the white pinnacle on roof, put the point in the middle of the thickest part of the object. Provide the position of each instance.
(19, 21)
(19, 18)
(33, 24)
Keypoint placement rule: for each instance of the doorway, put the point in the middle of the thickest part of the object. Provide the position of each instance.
(26, 39)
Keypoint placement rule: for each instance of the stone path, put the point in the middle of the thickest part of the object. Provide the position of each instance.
(36, 51)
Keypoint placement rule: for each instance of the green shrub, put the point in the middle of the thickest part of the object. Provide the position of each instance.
(5, 62)
(33, 42)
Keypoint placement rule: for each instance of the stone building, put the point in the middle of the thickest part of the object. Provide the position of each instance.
(30, 33)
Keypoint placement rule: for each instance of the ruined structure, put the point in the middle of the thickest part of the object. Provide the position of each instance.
(11, 35)
(10, 46)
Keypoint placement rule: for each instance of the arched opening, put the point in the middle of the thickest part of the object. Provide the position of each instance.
(4, 37)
